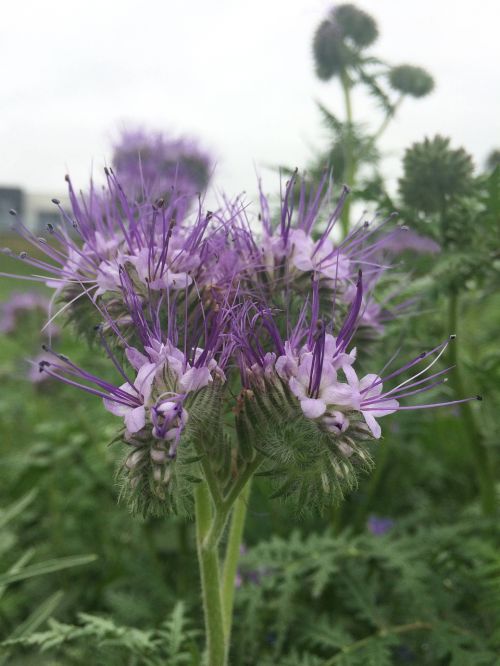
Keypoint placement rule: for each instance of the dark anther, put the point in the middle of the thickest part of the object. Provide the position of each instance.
(453, 336)
(23, 255)
(56, 201)
(66, 178)
(50, 227)
(106, 171)
(12, 212)
(479, 397)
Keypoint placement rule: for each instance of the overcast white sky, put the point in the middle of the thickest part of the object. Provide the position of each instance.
(236, 73)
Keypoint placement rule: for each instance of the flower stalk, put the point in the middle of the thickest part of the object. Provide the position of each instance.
(232, 556)
(208, 559)
(217, 590)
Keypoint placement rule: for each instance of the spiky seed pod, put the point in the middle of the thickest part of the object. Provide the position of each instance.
(435, 175)
(411, 80)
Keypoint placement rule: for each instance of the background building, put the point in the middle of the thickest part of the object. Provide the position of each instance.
(35, 209)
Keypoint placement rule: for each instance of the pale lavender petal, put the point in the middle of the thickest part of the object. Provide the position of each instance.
(145, 378)
(297, 388)
(372, 424)
(340, 394)
(195, 378)
(135, 419)
(313, 408)
(135, 358)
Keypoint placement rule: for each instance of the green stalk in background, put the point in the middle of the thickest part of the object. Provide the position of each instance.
(350, 164)
(479, 451)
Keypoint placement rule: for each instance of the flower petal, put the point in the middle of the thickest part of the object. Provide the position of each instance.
(313, 408)
(135, 419)
(194, 379)
(372, 424)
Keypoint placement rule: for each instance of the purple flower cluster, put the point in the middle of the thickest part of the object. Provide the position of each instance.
(152, 165)
(219, 303)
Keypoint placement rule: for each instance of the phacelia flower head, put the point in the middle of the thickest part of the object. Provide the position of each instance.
(106, 231)
(310, 378)
(175, 361)
(152, 165)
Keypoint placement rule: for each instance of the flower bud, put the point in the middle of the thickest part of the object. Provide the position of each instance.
(410, 80)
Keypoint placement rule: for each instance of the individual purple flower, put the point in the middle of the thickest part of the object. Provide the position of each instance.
(379, 525)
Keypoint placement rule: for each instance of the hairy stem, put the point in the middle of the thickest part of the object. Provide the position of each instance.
(480, 454)
(232, 556)
(208, 559)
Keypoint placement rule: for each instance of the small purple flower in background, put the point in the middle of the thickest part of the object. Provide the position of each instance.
(19, 303)
(409, 240)
(152, 164)
(378, 525)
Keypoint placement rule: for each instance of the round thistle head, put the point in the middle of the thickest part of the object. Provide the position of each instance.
(328, 50)
(356, 25)
(411, 80)
(337, 38)
(435, 174)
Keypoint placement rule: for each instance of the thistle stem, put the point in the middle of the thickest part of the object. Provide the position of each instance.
(232, 557)
(350, 165)
(208, 559)
(480, 454)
